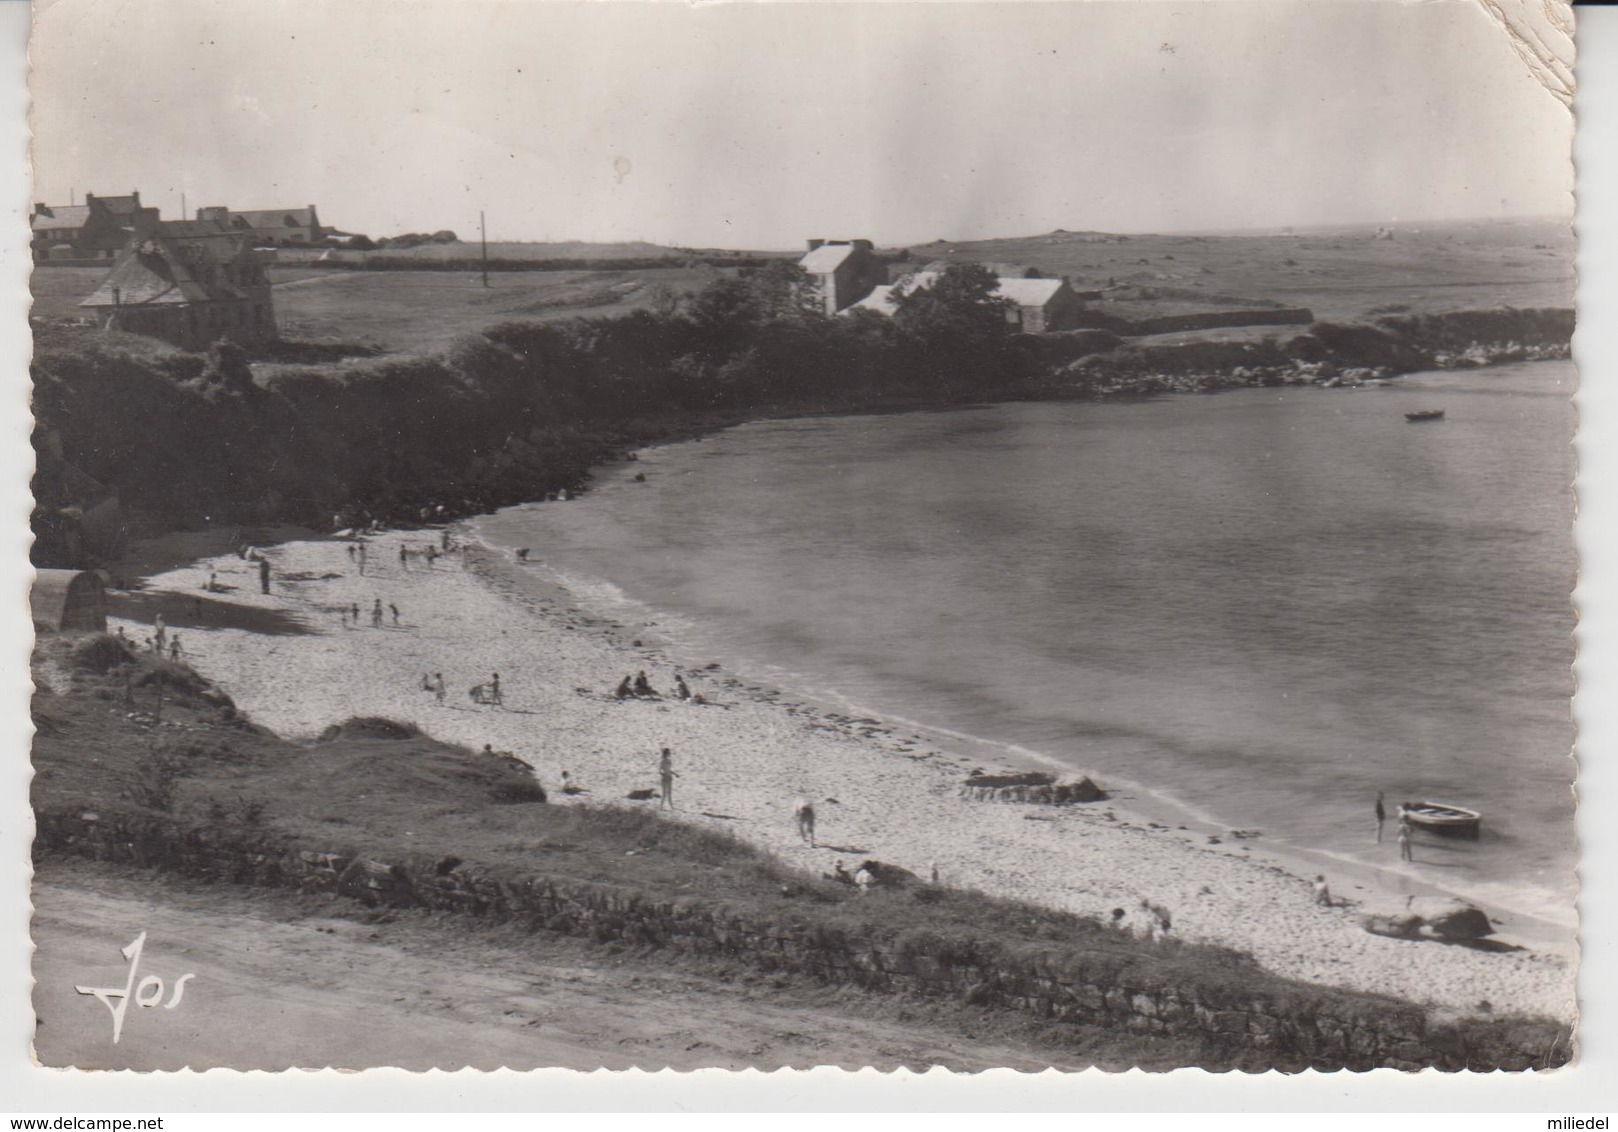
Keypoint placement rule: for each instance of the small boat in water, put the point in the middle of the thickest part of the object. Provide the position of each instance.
(1441, 817)
(1426, 415)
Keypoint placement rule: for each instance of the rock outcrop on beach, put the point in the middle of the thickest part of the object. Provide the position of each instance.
(1431, 917)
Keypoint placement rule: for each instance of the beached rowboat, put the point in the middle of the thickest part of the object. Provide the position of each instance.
(1441, 817)
(1426, 415)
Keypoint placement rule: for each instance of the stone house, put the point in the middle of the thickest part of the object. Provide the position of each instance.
(843, 271)
(189, 282)
(270, 227)
(97, 229)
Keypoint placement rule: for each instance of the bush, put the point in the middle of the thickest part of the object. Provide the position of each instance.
(100, 654)
(369, 727)
(519, 792)
(172, 675)
(152, 785)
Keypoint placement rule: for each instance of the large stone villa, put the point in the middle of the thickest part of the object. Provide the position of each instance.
(189, 282)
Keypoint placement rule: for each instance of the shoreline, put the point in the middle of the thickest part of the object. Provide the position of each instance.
(1138, 802)
(747, 756)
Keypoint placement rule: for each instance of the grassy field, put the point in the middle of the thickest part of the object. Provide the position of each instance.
(410, 312)
(424, 312)
(1339, 274)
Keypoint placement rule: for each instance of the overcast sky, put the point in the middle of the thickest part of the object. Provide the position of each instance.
(755, 125)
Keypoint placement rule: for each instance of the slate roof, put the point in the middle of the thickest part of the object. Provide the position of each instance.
(170, 270)
(276, 217)
(1023, 292)
(826, 259)
(61, 217)
(1029, 292)
(879, 300)
(120, 206)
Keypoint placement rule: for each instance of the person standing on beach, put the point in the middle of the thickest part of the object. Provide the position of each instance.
(1322, 892)
(376, 614)
(496, 696)
(666, 776)
(361, 553)
(1406, 849)
(438, 686)
(680, 688)
(1381, 816)
(160, 634)
(805, 817)
(395, 611)
(354, 612)
(264, 574)
(174, 648)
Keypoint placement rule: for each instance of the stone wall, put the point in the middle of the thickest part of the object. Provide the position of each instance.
(1294, 1027)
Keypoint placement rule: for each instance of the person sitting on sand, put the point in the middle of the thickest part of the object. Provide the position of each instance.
(432, 554)
(1322, 892)
(864, 880)
(804, 815)
(680, 688)
(1116, 922)
(623, 691)
(174, 648)
(1156, 918)
(522, 554)
(643, 686)
(426, 681)
(840, 874)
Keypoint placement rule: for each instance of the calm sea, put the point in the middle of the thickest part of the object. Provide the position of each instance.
(1262, 606)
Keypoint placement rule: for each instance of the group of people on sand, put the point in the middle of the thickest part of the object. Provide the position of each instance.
(490, 692)
(351, 614)
(159, 642)
(638, 687)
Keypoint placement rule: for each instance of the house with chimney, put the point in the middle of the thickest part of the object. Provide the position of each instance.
(189, 282)
(843, 271)
(270, 227)
(97, 229)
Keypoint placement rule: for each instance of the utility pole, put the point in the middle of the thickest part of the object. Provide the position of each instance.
(483, 239)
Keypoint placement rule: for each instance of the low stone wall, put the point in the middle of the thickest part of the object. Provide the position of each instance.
(1311, 1028)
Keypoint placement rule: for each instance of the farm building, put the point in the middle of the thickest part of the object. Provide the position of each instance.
(844, 271)
(1040, 304)
(189, 282)
(96, 229)
(68, 601)
(270, 227)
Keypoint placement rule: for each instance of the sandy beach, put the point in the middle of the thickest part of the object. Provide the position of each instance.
(744, 758)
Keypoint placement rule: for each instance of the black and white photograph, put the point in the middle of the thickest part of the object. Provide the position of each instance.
(751, 536)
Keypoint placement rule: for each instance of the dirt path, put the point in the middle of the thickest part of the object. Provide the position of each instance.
(288, 981)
